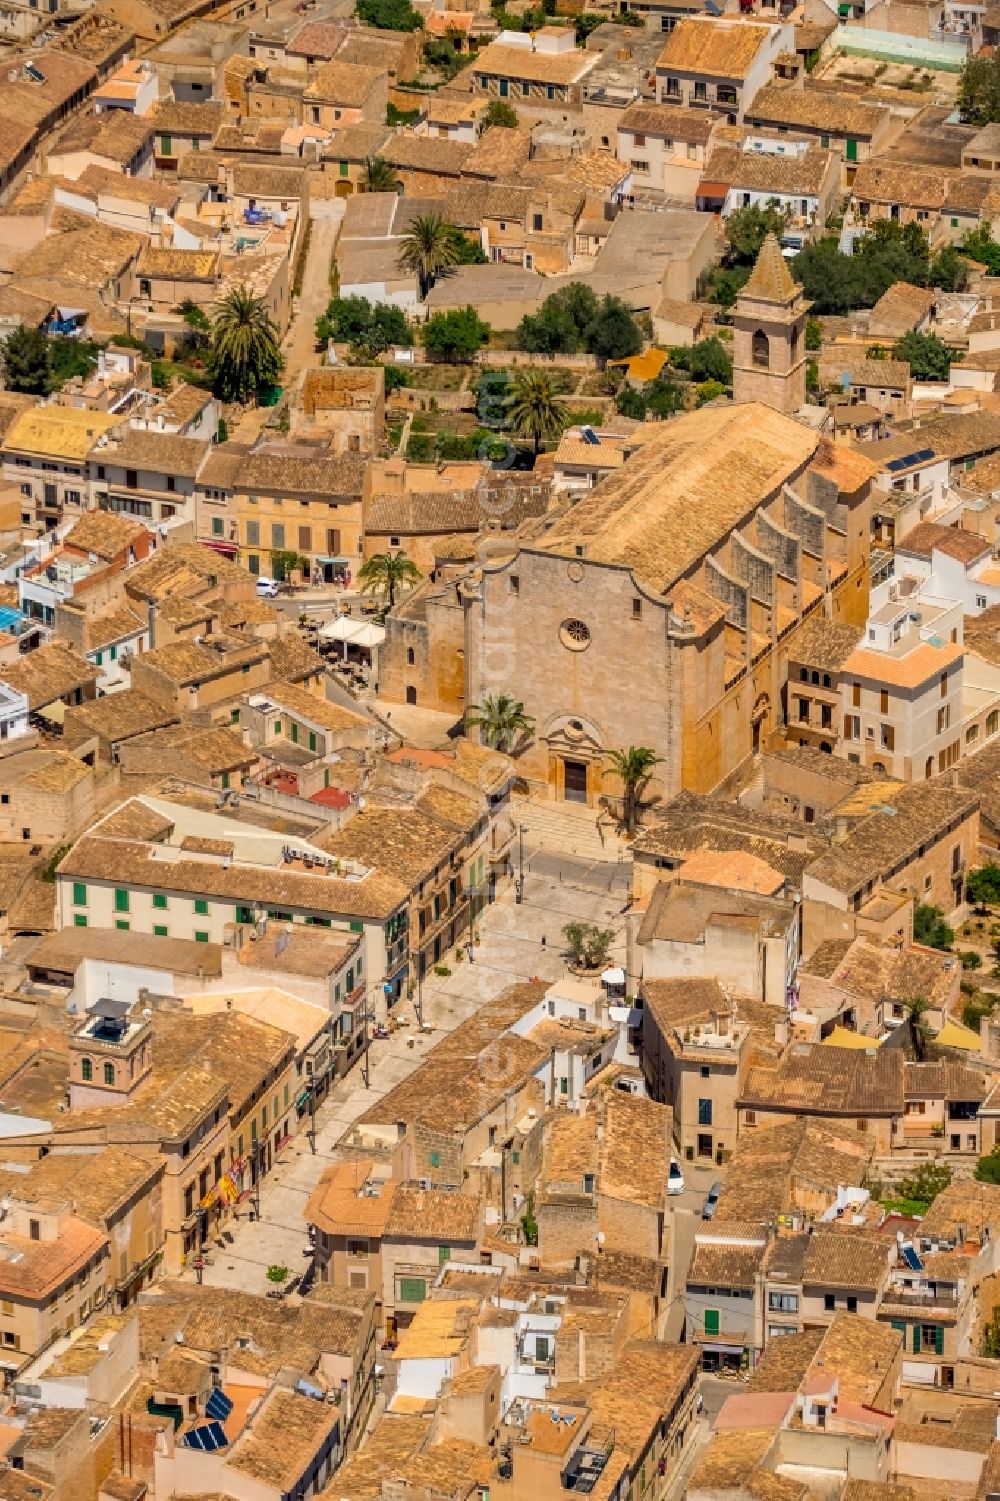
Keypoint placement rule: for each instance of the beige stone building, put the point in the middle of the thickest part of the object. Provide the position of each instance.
(769, 351)
(690, 570)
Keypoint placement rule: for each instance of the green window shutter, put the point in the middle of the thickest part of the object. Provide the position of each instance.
(350, 980)
(852, 151)
(123, 924)
(939, 1340)
(225, 781)
(295, 732)
(434, 1158)
(200, 906)
(900, 1325)
(277, 726)
(444, 1254)
(79, 894)
(286, 1096)
(916, 1339)
(343, 169)
(121, 899)
(515, 1158)
(201, 938)
(412, 1289)
(79, 921)
(159, 931)
(159, 901)
(234, 716)
(357, 927)
(711, 1321)
(244, 914)
(99, 659)
(312, 741)
(166, 146)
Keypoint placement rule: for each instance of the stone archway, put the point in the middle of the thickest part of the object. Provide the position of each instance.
(575, 758)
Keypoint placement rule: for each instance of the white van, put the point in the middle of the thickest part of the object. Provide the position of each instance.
(267, 588)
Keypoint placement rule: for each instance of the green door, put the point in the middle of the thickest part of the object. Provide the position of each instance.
(295, 733)
(852, 151)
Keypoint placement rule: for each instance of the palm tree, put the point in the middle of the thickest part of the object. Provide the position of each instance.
(501, 720)
(633, 768)
(246, 354)
(378, 176)
(385, 572)
(428, 248)
(533, 407)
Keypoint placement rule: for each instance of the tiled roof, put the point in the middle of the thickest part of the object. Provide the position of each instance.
(32, 1270)
(828, 1081)
(770, 280)
(838, 1259)
(105, 533)
(97, 857)
(767, 172)
(340, 83)
(413, 153)
(912, 670)
(57, 431)
(952, 437)
(162, 453)
(929, 536)
(889, 836)
(825, 644)
(718, 48)
(119, 716)
(433, 1214)
(321, 711)
(49, 673)
(668, 120)
(884, 182)
(695, 481)
(284, 470)
(185, 265)
(498, 60)
(818, 109)
(171, 117)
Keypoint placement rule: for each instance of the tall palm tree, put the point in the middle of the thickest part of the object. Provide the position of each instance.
(533, 407)
(246, 353)
(378, 176)
(428, 248)
(501, 720)
(385, 572)
(633, 768)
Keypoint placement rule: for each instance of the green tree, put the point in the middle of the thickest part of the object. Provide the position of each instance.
(455, 335)
(498, 112)
(284, 562)
(428, 248)
(748, 228)
(26, 362)
(916, 1011)
(725, 285)
(566, 321)
(983, 885)
(928, 356)
(981, 246)
(970, 959)
(375, 327)
(500, 720)
(69, 358)
(533, 408)
(949, 271)
(979, 90)
(710, 390)
(277, 1274)
(661, 398)
(612, 333)
(379, 176)
(814, 334)
(389, 15)
(930, 928)
(988, 1168)
(529, 1224)
(633, 768)
(386, 572)
(926, 1182)
(246, 356)
(991, 1334)
(468, 252)
(708, 359)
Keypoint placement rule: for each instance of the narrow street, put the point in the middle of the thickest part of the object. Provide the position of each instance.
(510, 950)
(299, 345)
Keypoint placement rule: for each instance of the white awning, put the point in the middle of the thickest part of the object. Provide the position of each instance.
(358, 632)
(613, 977)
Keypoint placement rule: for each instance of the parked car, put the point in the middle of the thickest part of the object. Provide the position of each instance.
(709, 1206)
(675, 1179)
(267, 588)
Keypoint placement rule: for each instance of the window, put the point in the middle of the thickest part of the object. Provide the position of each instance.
(711, 1321)
(444, 1255)
(218, 526)
(79, 894)
(515, 584)
(704, 1112)
(34, 1230)
(121, 899)
(829, 1302)
(109, 1073)
(883, 700)
(305, 539)
(200, 906)
(79, 921)
(856, 695)
(536, 221)
(201, 938)
(86, 1070)
(357, 1248)
(253, 533)
(637, 609)
(160, 931)
(944, 685)
(277, 534)
(122, 924)
(783, 1302)
(760, 349)
(411, 1289)
(434, 1158)
(159, 901)
(852, 1304)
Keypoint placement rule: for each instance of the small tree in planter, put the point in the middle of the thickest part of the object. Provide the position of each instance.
(575, 934)
(277, 1274)
(599, 941)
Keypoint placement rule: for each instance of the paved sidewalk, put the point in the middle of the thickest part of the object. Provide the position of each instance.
(511, 949)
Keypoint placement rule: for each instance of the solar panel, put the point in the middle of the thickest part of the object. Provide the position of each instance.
(219, 1405)
(218, 1435)
(193, 1439)
(912, 1259)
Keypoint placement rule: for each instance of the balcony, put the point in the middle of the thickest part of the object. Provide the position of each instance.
(926, 1300)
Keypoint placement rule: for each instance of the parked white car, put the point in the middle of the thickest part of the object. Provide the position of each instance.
(675, 1180)
(267, 588)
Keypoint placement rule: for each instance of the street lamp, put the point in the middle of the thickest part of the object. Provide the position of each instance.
(519, 890)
